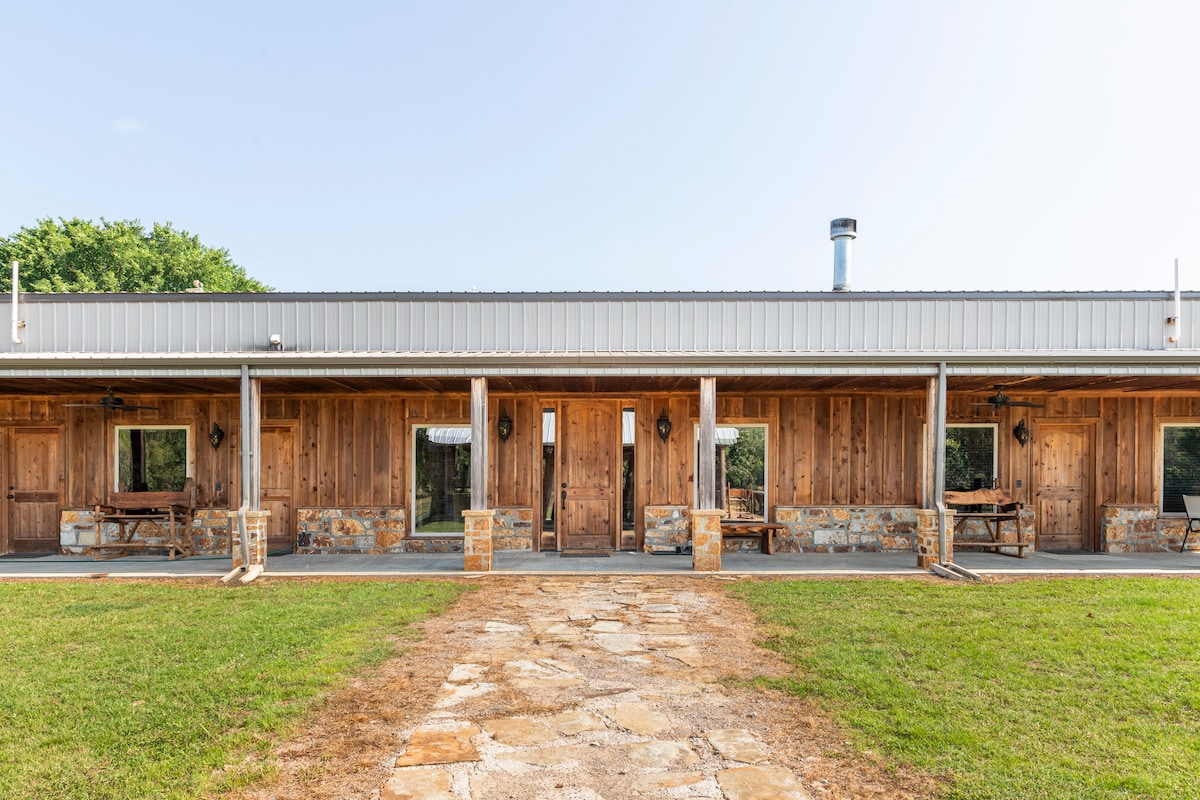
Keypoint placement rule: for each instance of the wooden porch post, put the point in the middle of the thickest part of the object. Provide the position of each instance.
(928, 499)
(251, 430)
(939, 466)
(706, 469)
(479, 444)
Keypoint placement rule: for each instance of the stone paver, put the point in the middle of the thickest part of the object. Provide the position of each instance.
(639, 718)
(440, 743)
(418, 783)
(737, 745)
(519, 731)
(612, 700)
(760, 783)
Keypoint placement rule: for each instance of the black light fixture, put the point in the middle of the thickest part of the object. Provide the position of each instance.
(663, 425)
(504, 426)
(216, 436)
(1021, 432)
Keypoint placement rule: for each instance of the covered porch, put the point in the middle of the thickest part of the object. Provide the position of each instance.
(845, 462)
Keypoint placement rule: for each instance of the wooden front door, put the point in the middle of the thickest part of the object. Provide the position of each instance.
(1065, 504)
(33, 479)
(590, 474)
(277, 475)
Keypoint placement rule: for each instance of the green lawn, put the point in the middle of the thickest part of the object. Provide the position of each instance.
(146, 690)
(1083, 688)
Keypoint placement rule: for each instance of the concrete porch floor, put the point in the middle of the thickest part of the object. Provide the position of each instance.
(508, 563)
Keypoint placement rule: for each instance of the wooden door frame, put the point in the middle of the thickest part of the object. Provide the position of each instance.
(559, 419)
(1092, 537)
(7, 467)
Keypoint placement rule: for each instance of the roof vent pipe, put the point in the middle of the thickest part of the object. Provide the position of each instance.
(842, 231)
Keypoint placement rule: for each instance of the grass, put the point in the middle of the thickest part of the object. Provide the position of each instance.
(148, 690)
(1034, 689)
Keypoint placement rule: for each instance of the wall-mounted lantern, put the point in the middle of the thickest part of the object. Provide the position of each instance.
(216, 436)
(1021, 432)
(663, 425)
(504, 426)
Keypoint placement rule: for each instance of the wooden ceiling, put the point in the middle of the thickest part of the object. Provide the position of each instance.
(606, 385)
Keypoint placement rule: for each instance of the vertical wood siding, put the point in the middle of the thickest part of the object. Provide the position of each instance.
(824, 449)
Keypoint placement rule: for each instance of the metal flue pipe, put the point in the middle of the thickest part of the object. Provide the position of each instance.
(842, 231)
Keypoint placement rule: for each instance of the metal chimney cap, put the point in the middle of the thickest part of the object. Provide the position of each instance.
(843, 226)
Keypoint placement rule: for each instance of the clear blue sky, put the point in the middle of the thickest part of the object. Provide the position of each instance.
(621, 145)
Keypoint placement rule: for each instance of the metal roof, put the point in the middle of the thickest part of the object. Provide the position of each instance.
(602, 333)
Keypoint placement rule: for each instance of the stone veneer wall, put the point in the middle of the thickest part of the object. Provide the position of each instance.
(1140, 529)
(667, 529)
(350, 531)
(845, 529)
(512, 529)
(77, 531)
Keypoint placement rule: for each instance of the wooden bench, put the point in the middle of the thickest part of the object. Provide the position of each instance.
(1006, 509)
(753, 530)
(170, 513)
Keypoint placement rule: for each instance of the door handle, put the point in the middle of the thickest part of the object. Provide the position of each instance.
(564, 498)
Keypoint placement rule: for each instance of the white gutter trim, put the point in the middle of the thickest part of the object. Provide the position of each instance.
(733, 359)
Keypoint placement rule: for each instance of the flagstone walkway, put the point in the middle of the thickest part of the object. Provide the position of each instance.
(579, 687)
(620, 701)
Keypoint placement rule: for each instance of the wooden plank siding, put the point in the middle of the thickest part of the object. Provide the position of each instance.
(824, 448)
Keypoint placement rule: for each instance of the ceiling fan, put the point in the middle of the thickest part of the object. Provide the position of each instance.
(1000, 400)
(112, 403)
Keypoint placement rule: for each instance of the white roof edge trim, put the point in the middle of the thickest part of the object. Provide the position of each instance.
(619, 358)
(794, 370)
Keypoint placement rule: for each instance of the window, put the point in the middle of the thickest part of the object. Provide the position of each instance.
(1180, 465)
(628, 427)
(549, 490)
(970, 457)
(741, 471)
(151, 459)
(441, 478)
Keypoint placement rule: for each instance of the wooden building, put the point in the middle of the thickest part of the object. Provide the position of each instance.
(370, 422)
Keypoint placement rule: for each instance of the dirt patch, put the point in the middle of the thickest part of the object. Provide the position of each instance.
(348, 748)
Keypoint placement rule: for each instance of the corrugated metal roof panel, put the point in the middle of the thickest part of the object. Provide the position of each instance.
(737, 325)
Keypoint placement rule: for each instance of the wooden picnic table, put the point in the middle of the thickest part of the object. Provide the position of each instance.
(1006, 508)
(753, 530)
(169, 513)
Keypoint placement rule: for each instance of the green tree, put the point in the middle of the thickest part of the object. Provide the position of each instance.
(78, 255)
(745, 463)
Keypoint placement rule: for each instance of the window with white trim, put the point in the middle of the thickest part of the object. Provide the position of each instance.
(1180, 465)
(970, 457)
(441, 478)
(151, 458)
(740, 471)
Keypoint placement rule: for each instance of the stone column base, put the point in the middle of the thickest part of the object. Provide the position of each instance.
(927, 538)
(706, 540)
(256, 538)
(477, 540)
